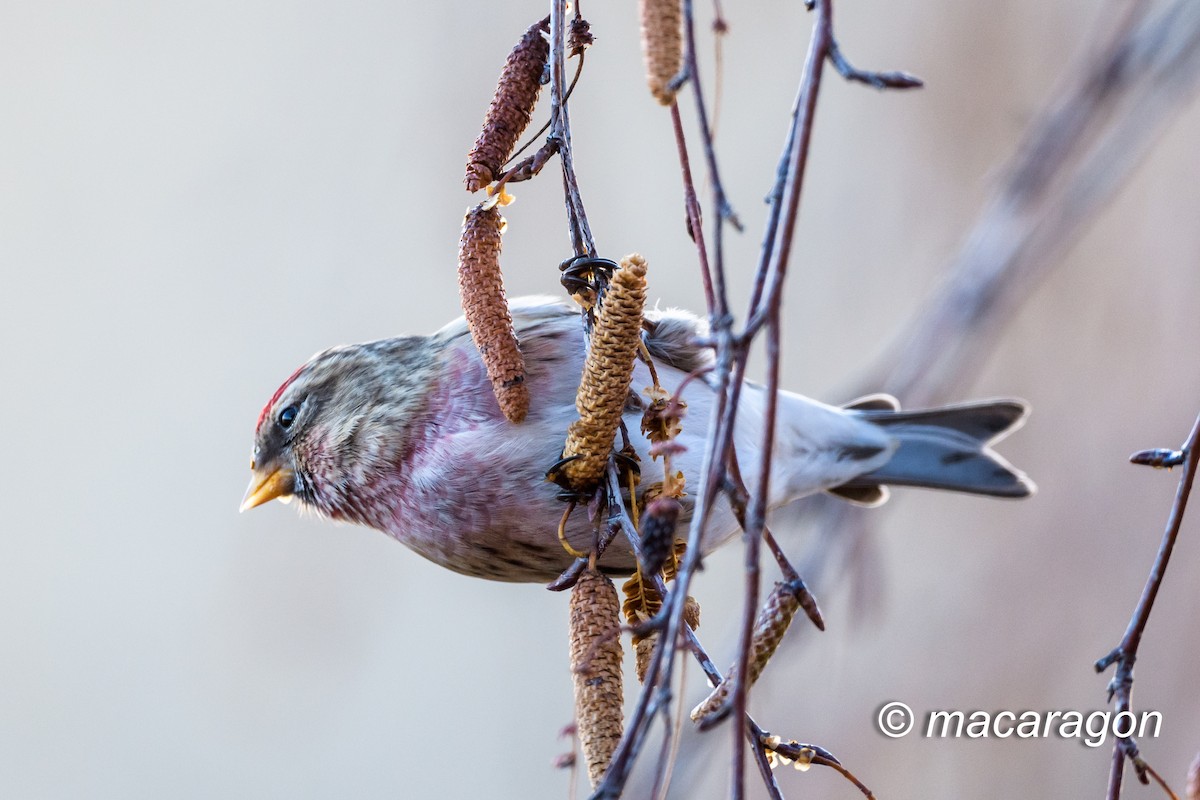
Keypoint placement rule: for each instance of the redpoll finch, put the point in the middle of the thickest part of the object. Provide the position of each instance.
(405, 435)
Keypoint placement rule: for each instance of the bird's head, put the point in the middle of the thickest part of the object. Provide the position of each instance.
(339, 425)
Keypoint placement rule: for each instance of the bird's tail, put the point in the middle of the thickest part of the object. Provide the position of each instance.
(942, 448)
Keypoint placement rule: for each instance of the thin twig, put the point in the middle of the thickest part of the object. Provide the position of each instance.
(804, 113)
(759, 753)
(651, 702)
(692, 207)
(880, 80)
(798, 150)
(736, 494)
(673, 735)
(724, 210)
(560, 132)
(1125, 654)
(784, 196)
(731, 351)
(821, 757)
(1161, 782)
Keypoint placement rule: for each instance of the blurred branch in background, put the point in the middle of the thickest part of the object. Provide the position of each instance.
(1077, 153)
(1075, 156)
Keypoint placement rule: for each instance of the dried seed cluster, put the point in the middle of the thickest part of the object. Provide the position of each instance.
(671, 567)
(481, 289)
(580, 37)
(772, 624)
(662, 417)
(643, 601)
(511, 108)
(607, 373)
(662, 45)
(596, 665)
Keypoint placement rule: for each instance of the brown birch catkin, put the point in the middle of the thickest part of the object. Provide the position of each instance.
(658, 532)
(642, 601)
(511, 108)
(596, 666)
(662, 45)
(607, 373)
(481, 289)
(772, 624)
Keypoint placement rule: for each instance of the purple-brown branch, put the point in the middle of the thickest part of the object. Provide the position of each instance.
(1125, 654)
(720, 472)
(651, 702)
(797, 151)
(560, 132)
(1066, 204)
(731, 350)
(718, 314)
(692, 206)
(880, 80)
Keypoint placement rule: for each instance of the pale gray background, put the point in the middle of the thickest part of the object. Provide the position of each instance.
(195, 197)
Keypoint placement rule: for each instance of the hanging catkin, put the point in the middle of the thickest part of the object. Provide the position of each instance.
(481, 289)
(658, 532)
(662, 45)
(607, 373)
(511, 108)
(596, 665)
(772, 624)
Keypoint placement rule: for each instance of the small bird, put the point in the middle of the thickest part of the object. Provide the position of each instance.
(404, 435)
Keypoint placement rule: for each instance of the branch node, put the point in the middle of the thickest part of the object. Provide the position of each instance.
(1108, 660)
(681, 78)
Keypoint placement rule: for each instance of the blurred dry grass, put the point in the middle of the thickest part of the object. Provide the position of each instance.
(195, 199)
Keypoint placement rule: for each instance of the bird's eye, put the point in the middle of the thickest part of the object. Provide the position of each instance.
(287, 417)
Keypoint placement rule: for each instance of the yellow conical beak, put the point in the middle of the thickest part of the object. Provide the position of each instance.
(267, 484)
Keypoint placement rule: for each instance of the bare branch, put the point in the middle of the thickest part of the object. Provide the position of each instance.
(1125, 654)
(560, 132)
(880, 80)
